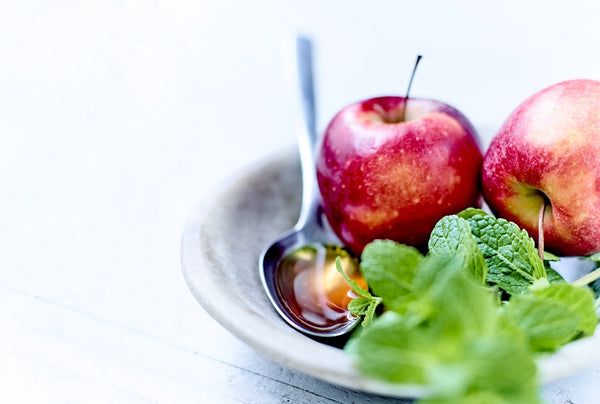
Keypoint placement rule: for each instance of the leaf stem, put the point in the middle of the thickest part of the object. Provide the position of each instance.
(588, 278)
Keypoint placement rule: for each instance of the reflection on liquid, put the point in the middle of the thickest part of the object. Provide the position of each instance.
(312, 289)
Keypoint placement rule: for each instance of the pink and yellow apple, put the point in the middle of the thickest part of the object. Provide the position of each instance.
(549, 147)
(383, 175)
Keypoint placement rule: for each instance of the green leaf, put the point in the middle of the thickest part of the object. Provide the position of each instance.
(553, 276)
(446, 292)
(595, 287)
(364, 307)
(479, 397)
(595, 284)
(370, 312)
(593, 257)
(490, 366)
(550, 257)
(359, 306)
(355, 286)
(470, 212)
(554, 315)
(579, 300)
(389, 269)
(547, 323)
(392, 349)
(452, 236)
(366, 304)
(512, 259)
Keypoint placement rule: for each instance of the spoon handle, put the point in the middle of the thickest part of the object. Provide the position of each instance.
(304, 65)
(303, 92)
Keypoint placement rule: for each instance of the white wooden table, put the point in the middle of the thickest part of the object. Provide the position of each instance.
(117, 118)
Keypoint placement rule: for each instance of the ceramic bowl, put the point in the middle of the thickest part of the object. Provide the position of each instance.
(221, 244)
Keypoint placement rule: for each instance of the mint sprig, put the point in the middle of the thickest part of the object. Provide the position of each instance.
(366, 304)
(448, 337)
(443, 326)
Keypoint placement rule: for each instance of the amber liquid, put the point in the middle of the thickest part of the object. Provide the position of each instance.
(312, 289)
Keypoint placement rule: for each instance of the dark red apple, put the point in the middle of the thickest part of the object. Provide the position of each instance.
(386, 175)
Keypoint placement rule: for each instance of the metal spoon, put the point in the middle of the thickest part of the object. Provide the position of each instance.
(311, 227)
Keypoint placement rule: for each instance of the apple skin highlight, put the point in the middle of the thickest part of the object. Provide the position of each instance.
(382, 177)
(549, 147)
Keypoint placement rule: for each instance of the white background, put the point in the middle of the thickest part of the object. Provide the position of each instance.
(118, 117)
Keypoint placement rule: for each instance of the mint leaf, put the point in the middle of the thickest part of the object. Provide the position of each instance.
(554, 315)
(552, 275)
(389, 268)
(470, 212)
(479, 397)
(592, 279)
(359, 306)
(366, 304)
(550, 257)
(593, 257)
(579, 300)
(355, 286)
(547, 323)
(370, 312)
(392, 349)
(486, 374)
(452, 236)
(445, 292)
(364, 307)
(594, 283)
(512, 259)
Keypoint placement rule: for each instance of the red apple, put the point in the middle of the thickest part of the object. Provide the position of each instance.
(385, 177)
(549, 147)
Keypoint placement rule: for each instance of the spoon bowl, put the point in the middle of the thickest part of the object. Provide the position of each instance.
(276, 262)
(311, 228)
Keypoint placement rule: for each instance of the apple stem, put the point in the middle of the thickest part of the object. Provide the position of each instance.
(412, 76)
(541, 229)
